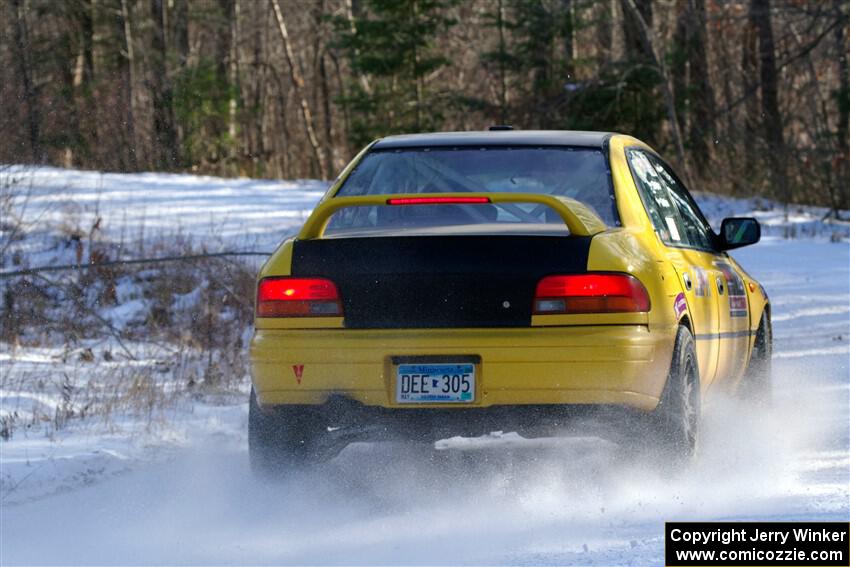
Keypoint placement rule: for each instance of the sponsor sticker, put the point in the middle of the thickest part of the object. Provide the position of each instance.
(680, 305)
(674, 230)
(736, 291)
(701, 287)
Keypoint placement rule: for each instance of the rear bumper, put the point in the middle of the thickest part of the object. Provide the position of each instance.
(342, 420)
(621, 365)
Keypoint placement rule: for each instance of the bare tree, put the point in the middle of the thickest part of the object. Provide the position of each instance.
(298, 83)
(128, 79)
(702, 109)
(24, 64)
(760, 14)
(268, 88)
(162, 95)
(842, 160)
(749, 80)
(646, 38)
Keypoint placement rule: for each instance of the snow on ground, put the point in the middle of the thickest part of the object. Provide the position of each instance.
(792, 221)
(73, 422)
(175, 487)
(149, 208)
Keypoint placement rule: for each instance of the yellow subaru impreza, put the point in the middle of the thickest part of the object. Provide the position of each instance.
(460, 283)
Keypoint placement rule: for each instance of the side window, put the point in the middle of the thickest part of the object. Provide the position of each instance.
(695, 228)
(673, 212)
(655, 195)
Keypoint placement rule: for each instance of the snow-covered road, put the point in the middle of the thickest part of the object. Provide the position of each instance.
(569, 501)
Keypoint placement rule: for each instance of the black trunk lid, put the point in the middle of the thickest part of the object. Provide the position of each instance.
(439, 281)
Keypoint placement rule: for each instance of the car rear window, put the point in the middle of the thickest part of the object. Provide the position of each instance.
(578, 173)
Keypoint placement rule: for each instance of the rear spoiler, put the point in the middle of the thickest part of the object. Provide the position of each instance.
(580, 219)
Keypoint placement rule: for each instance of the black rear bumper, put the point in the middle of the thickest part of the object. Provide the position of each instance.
(345, 418)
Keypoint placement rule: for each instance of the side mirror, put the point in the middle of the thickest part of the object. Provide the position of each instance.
(736, 232)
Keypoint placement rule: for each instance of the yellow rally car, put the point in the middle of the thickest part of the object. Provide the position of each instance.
(460, 283)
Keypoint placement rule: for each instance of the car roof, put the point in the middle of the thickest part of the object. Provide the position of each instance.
(497, 138)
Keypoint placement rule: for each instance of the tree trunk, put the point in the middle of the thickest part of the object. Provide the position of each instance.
(645, 33)
(85, 16)
(731, 134)
(749, 77)
(842, 165)
(637, 19)
(702, 108)
(324, 85)
(760, 14)
(691, 83)
(349, 14)
(604, 32)
(128, 78)
(615, 11)
(503, 79)
(180, 43)
(679, 60)
(24, 62)
(260, 101)
(165, 138)
(228, 75)
(298, 84)
(72, 141)
(417, 79)
(84, 81)
(568, 32)
(346, 113)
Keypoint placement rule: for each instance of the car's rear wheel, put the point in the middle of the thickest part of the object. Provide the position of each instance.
(675, 421)
(279, 441)
(756, 386)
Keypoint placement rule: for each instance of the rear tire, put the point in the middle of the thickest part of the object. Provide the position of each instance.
(279, 441)
(756, 384)
(675, 421)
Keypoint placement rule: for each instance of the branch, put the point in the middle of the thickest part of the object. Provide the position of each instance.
(68, 267)
(298, 83)
(753, 88)
(669, 99)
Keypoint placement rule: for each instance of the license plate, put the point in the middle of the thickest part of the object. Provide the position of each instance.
(435, 383)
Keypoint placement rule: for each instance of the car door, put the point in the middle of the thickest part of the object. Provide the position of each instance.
(688, 248)
(734, 321)
(725, 285)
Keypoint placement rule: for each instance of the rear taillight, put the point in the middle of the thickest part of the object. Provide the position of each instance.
(298, 297)
(590, 293)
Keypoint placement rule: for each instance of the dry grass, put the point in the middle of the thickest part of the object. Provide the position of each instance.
(121, 340)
